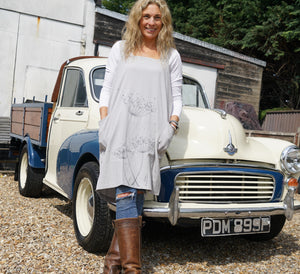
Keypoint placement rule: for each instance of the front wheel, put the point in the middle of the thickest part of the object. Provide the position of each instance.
(91, 215)
(277, 223)
(30, 179)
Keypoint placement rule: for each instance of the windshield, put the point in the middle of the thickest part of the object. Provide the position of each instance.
(192, 93)
(97, 82)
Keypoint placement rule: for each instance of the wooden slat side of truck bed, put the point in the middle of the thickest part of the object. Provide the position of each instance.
(31, 119)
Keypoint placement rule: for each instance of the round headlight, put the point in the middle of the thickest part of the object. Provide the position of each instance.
(290, 159)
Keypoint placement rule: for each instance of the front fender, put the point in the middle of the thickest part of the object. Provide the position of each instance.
(75, 151)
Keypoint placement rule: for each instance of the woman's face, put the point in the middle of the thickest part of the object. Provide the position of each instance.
(150, 23)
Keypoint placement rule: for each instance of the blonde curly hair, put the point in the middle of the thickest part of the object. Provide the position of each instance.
(132, 33)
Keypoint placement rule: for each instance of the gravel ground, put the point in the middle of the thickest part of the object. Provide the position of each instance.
(37, 236)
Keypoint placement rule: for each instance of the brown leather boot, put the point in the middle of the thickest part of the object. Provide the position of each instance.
(112, 262)
(129, 238)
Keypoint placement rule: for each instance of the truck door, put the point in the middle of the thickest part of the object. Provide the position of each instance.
(70, 116)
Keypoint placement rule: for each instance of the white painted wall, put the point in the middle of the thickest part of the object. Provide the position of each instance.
(206, 77)
(8, 34)
(60, 10)
(37, 36)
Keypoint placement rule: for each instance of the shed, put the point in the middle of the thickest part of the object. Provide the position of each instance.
(225, 75)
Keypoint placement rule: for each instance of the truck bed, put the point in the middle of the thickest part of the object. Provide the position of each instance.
(32, 120)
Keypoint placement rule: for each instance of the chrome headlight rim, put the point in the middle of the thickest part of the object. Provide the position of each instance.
(288, 167)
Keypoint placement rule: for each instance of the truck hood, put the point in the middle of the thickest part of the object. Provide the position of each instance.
(206, 134)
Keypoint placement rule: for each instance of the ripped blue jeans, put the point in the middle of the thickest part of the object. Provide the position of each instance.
(129, 202)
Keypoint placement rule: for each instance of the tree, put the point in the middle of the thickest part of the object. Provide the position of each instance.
(277, 39)
(264, 29)
(121, 6)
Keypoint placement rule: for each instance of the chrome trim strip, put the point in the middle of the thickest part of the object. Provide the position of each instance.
(222, 112)
(220, 213)
(217, 165)
(165, 168)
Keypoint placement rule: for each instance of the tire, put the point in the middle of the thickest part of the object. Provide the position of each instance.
(277, 223)
(91, 215)
(30, 180)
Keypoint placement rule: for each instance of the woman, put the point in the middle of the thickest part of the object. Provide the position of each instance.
(140, 105)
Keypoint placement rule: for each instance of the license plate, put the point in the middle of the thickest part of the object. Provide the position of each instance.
(233, 226)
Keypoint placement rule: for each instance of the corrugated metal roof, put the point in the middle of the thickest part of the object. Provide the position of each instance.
(282, 121)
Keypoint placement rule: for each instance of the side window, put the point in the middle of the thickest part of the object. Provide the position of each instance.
(74, 93)
(97, 81)
(192, 94)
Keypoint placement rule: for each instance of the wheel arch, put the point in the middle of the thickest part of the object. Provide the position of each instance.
(93, 234)
(35, 154)
(85, 158)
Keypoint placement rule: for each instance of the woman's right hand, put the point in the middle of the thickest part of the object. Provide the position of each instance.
(103, 112)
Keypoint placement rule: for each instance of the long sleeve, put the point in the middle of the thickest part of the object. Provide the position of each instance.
(112, 62)
(175, 66)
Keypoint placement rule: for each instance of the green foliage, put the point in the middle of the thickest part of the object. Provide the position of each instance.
(121, 6)
(264, 29)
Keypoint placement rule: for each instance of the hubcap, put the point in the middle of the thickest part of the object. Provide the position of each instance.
(23, 170)
(85, 205)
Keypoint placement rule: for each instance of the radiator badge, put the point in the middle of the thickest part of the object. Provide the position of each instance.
(230, 148)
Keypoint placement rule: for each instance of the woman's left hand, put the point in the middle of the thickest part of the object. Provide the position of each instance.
(174, 118)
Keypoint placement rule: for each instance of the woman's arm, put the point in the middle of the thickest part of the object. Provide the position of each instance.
(176, 84)
(112, 62)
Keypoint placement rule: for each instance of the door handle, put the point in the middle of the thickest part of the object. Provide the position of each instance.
(79, 112)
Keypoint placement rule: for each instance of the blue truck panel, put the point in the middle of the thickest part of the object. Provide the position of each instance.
(168, 177)
(83, 144)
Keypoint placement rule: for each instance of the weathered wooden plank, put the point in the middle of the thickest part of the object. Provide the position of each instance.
(107, 30)
(33, 116)
(32, 131)
(17, 128)
(292, 137)
(17, 115)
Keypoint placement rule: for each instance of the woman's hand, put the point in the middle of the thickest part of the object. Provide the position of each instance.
(174, 119)
(103, 112)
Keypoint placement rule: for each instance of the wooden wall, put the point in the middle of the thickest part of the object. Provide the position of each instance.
(107, 29)
(238, 79)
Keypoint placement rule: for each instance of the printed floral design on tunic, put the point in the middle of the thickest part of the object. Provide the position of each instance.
(137, 144)
(135, 165)
(139, 105)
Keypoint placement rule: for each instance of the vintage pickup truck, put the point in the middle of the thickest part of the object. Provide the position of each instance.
(212, 175)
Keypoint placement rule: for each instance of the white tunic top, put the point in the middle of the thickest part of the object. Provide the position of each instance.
(136, 132)
(175, 68)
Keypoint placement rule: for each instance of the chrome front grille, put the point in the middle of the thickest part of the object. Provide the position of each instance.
(225, 187)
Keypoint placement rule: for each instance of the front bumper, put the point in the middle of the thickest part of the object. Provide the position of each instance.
(175, 210)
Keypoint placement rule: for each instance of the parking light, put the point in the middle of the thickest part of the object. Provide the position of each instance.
(293, 182)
